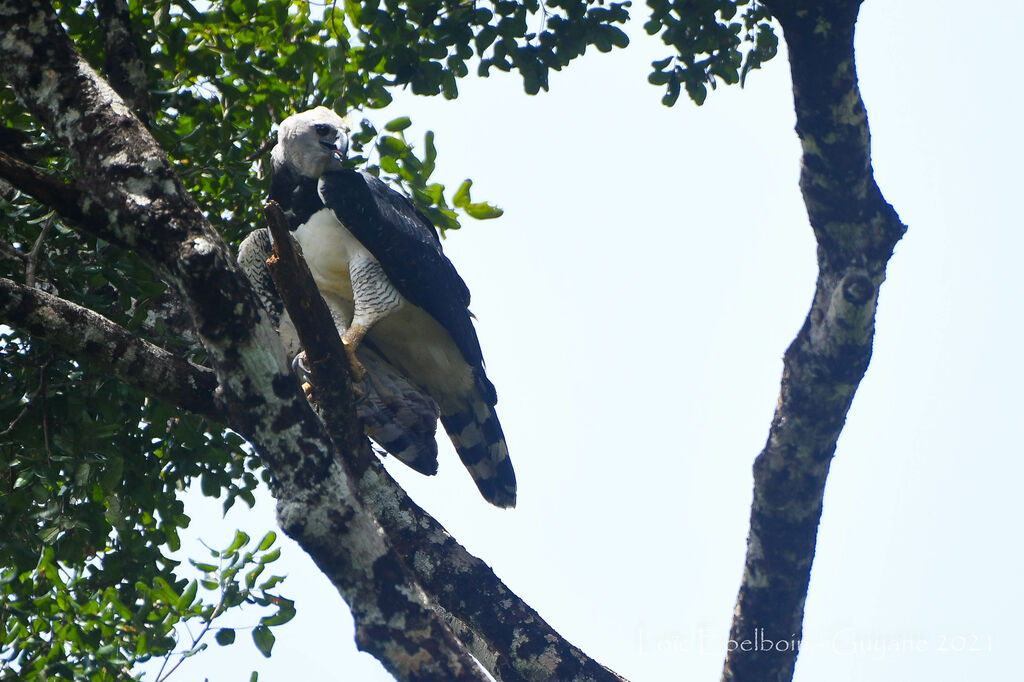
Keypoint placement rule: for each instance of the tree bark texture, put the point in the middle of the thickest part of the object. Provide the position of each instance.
(856, 231)
(124, 65)
(147, 209)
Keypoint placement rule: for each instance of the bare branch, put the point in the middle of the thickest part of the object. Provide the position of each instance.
(91, 338)
(32, 261)
(856, 232)
(315, 328)
(71, 202)
(124, 64)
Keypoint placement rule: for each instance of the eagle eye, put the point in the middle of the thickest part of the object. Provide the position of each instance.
(323, 129)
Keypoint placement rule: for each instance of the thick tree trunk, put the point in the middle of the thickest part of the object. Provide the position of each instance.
(856, 232)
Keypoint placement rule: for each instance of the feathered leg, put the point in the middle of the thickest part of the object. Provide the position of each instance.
(375, 299)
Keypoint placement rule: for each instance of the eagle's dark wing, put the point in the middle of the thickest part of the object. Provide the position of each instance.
(407, 246)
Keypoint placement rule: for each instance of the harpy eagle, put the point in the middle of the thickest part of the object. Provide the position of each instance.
(379, 265)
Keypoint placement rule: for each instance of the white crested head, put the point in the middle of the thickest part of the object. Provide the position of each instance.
(312, 142)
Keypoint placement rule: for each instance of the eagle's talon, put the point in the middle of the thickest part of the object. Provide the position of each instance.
(304, 375)
(299, 366)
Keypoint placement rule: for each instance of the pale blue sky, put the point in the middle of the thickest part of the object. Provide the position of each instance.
(634, 304)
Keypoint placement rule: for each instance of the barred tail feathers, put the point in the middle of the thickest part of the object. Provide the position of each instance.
(477, 436)
(399, 416)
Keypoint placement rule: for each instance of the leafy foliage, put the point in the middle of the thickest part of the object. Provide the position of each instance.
(398, 162)
(708, 42)
(428, 44)
(88, 508)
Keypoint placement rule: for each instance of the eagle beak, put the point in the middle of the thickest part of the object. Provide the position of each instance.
(340, 146)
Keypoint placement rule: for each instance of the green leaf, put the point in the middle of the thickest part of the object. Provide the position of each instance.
(267, 541)
(188, 596)
(240, 540)
(429, 154)
(225, 636)
(49, 535)
(264, 639)
(271, 582)
(461, 197)
(435, 191)
(286, 611)
(392, 146)
(163, 590)
(209, 485)
(483, 211)
(251, 576)
(398, 124)
(271, 556)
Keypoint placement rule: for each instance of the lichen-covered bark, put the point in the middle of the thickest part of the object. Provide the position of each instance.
(147, 209)
(104, 345)
(856, 232)
(315, 327)
(124, 65)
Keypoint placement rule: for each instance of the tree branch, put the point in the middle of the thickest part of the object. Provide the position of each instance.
(319, 337)
(91, 338)
(32, 261)
(148, 209)
(71, 202)
(514, 642)
(124, 64)
(856, 232)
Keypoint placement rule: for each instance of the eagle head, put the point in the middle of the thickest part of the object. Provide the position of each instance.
(312, 142)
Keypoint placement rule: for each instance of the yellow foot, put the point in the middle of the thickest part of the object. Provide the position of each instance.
(358, 371)
(351, 340)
